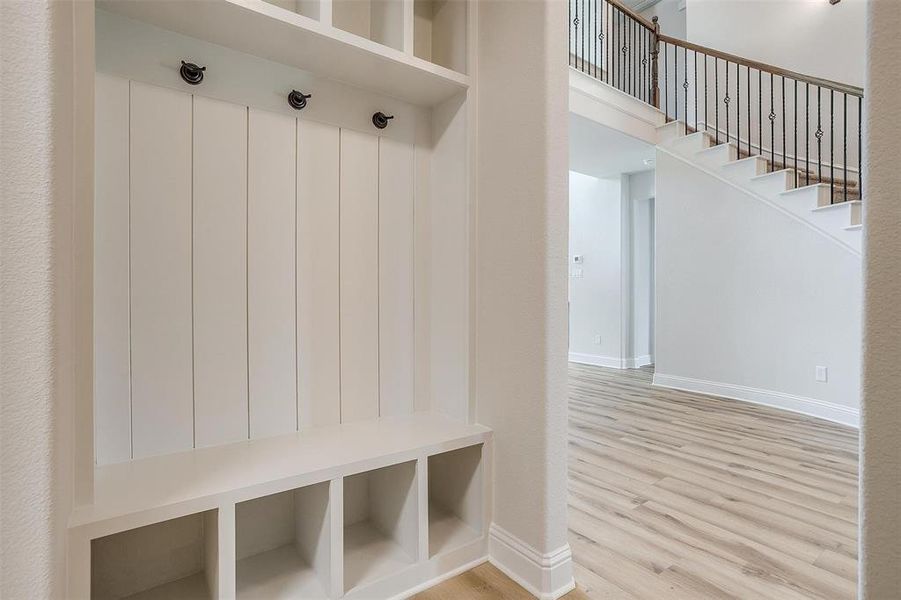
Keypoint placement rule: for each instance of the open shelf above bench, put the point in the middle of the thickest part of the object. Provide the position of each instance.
(263, 29)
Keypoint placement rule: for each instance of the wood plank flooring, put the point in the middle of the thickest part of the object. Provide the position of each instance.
(676, 495)
(485, 582)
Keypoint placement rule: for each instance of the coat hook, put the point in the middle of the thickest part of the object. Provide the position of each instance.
(191, 73)
(380, 120)
(298, 100)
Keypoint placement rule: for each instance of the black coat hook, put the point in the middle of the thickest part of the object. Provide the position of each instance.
(191, 73)
(298, 100)
(380, 120)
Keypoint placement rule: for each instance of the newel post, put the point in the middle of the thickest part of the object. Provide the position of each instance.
(655, 90)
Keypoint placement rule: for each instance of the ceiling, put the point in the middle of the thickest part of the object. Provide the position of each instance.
(599, 151)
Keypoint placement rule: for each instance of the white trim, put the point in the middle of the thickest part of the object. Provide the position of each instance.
(604, 104)
(714, 173)
(613, 362)
(440, 578)
(798, 404)
(547, 576)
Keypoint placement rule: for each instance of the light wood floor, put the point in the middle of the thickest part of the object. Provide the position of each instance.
(675, 495)
(681, 496)
(484, 582)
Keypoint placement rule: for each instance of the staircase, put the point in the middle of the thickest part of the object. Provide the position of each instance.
(790, 139)
(821, 203)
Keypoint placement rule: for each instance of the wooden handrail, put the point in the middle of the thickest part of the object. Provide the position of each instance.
(760, 66)
(643, 21)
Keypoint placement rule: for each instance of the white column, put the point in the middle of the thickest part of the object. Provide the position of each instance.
(521, 314)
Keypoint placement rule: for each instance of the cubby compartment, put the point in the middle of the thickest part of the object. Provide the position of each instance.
(307, 8)
(455, 499)
(172, 559)
(439, 32)
(381, 523)
(282, 545)
(381, 21)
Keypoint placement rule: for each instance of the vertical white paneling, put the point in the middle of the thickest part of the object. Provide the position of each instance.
(160, 159)
(271, 273)
(318, 369)
(395, 277)
(359, 215)
(220, 269)
(112, 395)
(422, 228)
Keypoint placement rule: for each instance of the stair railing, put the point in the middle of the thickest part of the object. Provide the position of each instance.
(807, 124)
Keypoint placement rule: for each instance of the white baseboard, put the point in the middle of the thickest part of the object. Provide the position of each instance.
(547, 576)
(612, 362)
(799, 404)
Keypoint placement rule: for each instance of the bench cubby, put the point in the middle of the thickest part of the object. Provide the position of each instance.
(282, 544)
(455, 499)
(177, 558)
(381, 523)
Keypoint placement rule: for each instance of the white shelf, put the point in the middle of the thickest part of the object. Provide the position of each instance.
(370, 555)
(278, 573)
(130, 494)
(447, 531)
(262, 29)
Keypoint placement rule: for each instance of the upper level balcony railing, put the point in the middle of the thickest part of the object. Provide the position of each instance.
(800, 122)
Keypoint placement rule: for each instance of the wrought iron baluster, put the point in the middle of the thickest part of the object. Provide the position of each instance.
(716, 97)
(845, 143)
(726, 101)
(860, 146)
(584, 2)
(831, 146)
(760, 114)
(694, 54)
(772, 118)
(784, 161)
(738, 105)
(665, 78)
(685, 82)
(594, 38)
(706, 93)
(676, 80)
(748, 98)
(807, 134)
(795, 129)
(819, 135)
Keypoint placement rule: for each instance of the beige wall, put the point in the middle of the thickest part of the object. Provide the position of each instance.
(880, 509)
(521, 220)
(38, 305)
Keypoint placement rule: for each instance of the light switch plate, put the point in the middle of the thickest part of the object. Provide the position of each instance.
(822, 374)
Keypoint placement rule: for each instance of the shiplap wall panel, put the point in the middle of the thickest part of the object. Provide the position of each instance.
(160, 159)
(220, 270)
(271, 273)
(396, 354)
(359, 213)
(112, 387)
(318, 373)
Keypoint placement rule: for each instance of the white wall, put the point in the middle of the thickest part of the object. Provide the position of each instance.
(671, 15)
(751, 300)
(595, 285)
(880, 475)
(808, 36)
(610, 291)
